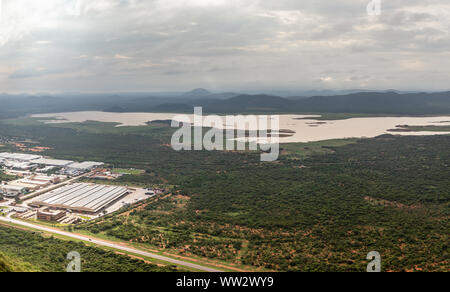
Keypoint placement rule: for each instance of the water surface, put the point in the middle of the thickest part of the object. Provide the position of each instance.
(304, 128)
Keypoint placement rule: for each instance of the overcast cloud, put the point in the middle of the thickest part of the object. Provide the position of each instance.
(175, 45)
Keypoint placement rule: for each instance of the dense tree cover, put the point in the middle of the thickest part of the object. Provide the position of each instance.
(324, 212)
(5, 265)
(38, 253)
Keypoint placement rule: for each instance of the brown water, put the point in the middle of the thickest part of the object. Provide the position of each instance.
(307, 129)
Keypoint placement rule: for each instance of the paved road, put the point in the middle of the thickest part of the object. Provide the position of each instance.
(109, 244)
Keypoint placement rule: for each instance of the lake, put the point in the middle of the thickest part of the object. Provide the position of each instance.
(302, 128)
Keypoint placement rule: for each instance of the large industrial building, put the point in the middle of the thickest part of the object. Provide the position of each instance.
(82, 198)
(29, 161)
(83, 166)
(52, 162)
(12, 191)
(18, 157)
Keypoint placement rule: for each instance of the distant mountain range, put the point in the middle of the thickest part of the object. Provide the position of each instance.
(363, 102)
(390, 102)
(198, 92)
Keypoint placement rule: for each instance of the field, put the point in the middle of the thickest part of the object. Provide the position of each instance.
(128, 171)
(322, 206)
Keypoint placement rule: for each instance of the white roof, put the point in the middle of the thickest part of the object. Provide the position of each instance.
(19, 164)
(32, 182)
(81, 195)
(12, 188)
(47, 168)
(17, 171)
(85, 165)
(45, 178)
(52, 162)
(19, 156)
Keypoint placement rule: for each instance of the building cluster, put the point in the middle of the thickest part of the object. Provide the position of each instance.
(27, 162)
(48, 191)
(32, 171)
(25, 185)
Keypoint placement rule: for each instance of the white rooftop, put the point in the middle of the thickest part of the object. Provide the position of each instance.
(12, 188)
(85, 196)
(52, 162)
(32, 182)
(85, 165)
(19, 156)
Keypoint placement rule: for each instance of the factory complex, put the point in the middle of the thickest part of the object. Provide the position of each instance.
(27, 162)
(35, 172)
(81, 198)
(47, 189)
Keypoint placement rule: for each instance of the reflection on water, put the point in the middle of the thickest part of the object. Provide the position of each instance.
(302, 128)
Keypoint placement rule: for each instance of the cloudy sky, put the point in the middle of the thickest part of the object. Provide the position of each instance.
(177, 45)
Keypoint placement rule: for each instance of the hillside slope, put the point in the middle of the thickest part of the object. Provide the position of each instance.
(9, 264)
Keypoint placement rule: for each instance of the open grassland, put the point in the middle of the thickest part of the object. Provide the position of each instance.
(128, 171)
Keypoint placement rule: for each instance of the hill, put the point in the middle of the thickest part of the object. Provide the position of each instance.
(198, 92)
(362, 102)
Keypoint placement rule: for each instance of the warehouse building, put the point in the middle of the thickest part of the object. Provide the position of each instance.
(19, 157)
(10, 191)
(82, 198)
(49, 179)
(18, 165)
(45, 169)
(84, 166)
(27, 186)
(34, 182)
(52, 162)
(18, 172)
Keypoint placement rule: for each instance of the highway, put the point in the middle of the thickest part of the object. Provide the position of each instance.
(110, 244)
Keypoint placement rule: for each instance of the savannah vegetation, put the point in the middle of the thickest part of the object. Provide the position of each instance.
(318, 208)
(25, 251)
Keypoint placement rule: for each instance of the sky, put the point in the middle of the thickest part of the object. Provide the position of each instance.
(222, 45)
